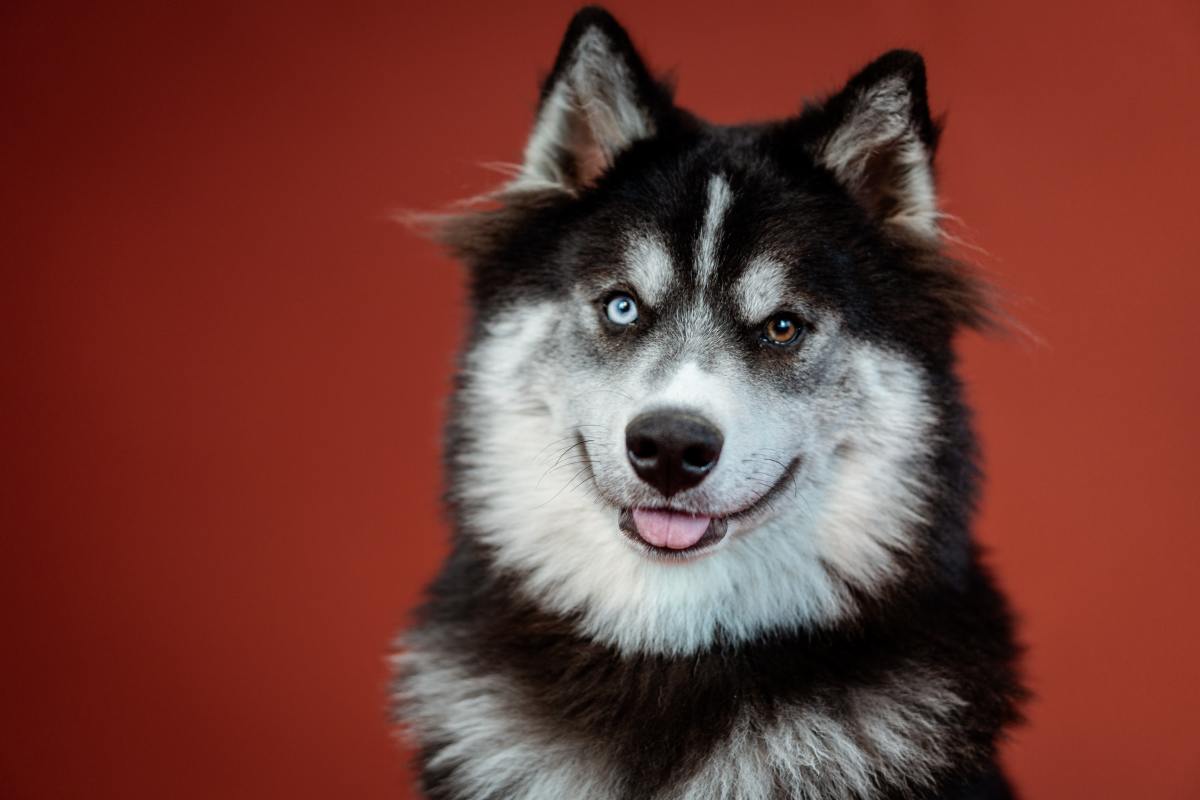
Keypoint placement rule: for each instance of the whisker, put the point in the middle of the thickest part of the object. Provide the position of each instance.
(551, 444)
(617, 392)
(561, 456)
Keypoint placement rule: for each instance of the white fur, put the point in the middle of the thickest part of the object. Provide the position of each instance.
(493, 748)
(885, 734)
(877, 496)
(719, 199)
(880, 120)
(760, 289)
(534, 502)
(692, 388)
(594, 99)
(650, 267)
(891, 732)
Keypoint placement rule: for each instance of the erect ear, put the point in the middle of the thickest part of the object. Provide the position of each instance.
(597, 101)
(878, 140)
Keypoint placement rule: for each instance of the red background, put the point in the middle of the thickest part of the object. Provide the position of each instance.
(225, 368)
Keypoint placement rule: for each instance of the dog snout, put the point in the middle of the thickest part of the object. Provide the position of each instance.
(672, 450)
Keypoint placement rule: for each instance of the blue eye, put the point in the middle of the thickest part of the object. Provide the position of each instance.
(621, 310)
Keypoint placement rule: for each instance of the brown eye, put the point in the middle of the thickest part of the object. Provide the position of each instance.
(782, 329)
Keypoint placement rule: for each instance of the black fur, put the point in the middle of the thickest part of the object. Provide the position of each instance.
(661, 717)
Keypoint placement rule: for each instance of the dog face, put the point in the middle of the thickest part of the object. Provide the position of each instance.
(708, 375)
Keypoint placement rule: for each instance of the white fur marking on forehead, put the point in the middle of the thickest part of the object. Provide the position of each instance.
(650, 267)
(760, 289)
(719, 199)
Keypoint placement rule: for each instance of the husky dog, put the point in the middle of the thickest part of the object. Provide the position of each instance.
(710, 470)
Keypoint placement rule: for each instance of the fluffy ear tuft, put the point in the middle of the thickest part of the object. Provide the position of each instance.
(879, 142)
(597, 101)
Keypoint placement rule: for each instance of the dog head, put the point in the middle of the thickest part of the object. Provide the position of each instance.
(708, 392)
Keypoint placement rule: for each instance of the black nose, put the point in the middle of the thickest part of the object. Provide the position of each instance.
(672, 450)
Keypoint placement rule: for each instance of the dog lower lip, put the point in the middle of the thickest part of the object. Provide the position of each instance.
(717, 527)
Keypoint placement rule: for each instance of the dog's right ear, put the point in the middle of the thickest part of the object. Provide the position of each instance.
(597, 101)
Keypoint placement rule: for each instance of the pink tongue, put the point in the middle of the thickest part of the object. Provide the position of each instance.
(669, 528)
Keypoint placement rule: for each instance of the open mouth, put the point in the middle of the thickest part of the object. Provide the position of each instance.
(670, 532)
(675, 533)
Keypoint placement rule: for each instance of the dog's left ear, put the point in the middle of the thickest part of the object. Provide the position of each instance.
(877, 138)
(597, 101)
